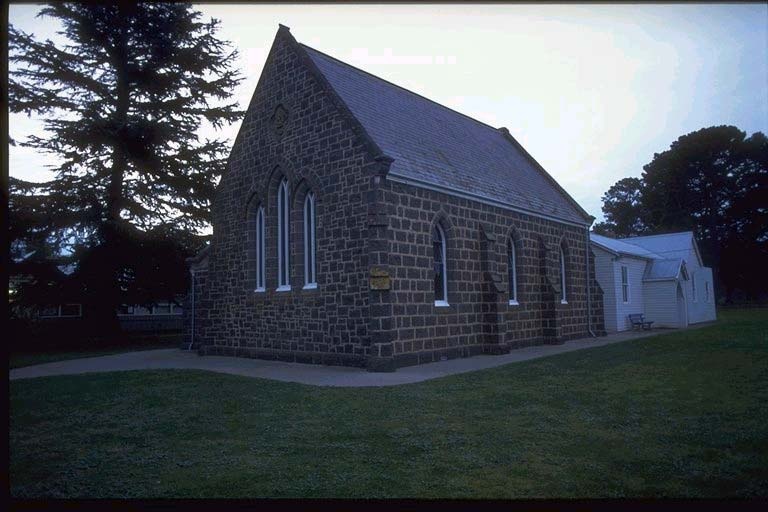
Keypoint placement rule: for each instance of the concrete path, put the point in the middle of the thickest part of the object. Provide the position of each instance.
(317, 375)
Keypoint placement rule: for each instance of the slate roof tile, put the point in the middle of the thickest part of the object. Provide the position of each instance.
(433, 144)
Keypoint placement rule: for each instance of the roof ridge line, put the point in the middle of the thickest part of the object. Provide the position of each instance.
(502, 131)
(654, 236)
(399, 87)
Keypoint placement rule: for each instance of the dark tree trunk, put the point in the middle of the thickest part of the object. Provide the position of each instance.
(106, 325)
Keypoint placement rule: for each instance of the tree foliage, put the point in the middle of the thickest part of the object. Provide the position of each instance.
(712, 182)
(123, 103)
(622, 206)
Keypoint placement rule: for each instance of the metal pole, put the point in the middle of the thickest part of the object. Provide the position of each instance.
(589, 287)
(192, 336)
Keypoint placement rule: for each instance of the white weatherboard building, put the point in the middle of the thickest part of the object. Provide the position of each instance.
(660, 276)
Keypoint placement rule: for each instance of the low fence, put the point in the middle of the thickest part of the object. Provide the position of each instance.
(76, 332)
(743, 305)
(151, 323)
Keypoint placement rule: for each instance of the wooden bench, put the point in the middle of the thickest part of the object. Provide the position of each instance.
(638, 320)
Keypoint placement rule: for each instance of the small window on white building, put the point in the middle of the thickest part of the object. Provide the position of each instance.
(624, 284)
(706, 291)
(441, 274)
(310, 266)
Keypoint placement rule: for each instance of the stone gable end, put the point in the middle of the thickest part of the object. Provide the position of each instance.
(293, 129)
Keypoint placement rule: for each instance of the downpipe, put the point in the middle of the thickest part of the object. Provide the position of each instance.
(192, 327)
(589, 286)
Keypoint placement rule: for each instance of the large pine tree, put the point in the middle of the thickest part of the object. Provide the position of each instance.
(123, 103)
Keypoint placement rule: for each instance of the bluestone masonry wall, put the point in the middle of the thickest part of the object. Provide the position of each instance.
(374, 303)
(314, 148)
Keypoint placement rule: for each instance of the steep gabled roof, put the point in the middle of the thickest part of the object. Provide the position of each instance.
(437, 147)
(669, 245)
(619, 247)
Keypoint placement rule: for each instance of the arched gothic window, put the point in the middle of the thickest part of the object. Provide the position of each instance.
(563, 292)
(512, 270)
(283, 233)
(259, 239)
(310, 266)
(440, 266)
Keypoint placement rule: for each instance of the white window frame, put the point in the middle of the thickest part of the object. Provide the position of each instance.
(563, 292)
(512, 250)
(444, 301)
(310, 262)
(283, 238)
(625, 284)
(260, 251)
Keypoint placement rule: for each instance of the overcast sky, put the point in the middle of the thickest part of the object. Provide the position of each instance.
(591, 91)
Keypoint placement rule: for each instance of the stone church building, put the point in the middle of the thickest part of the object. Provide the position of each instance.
(361, 224)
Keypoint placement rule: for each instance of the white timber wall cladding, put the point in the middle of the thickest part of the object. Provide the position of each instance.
(605, 276)
(635, 271)
(660, 299)
(710, 312)
(700, 308)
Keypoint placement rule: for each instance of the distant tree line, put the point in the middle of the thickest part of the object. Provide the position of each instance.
(713, 182)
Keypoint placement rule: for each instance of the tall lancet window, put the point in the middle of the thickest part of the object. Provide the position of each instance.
(563, 292)
(512, 264)
(440, 267)
(283, 232)
(310, 266)
(260, 285)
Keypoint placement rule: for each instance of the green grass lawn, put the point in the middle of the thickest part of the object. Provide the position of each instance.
(678, 415)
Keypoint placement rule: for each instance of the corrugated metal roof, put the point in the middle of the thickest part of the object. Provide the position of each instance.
(433, 144)
(669, 245)
(663, 269)
(620, 247)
